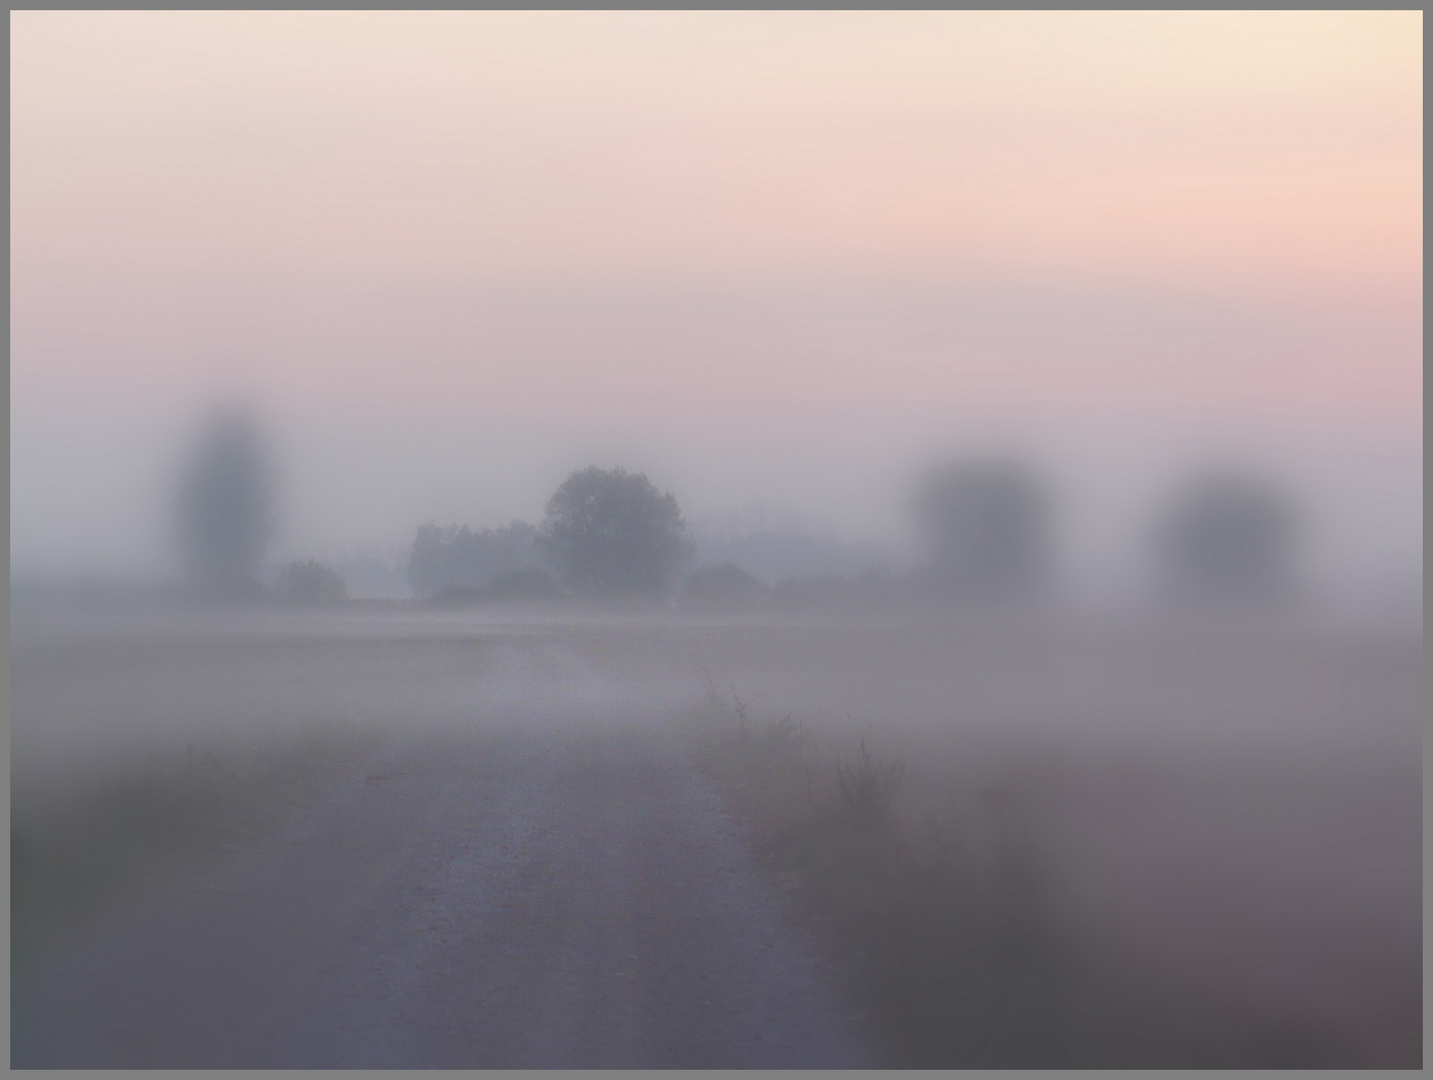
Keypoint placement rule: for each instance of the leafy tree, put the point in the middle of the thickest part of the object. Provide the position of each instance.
(225, 516)
(611, 533)
(1228, 538)
(987, 522)
(310, 582)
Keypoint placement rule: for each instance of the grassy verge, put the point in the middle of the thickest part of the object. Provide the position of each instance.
(71, 865)
(956, 962)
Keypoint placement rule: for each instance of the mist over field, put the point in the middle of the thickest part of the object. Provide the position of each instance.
(1228, 815)
(353, 483)
(966, 468)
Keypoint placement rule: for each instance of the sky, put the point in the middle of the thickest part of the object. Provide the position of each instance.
(789, 256)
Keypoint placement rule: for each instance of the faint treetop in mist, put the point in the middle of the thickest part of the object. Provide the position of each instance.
(225, 516)
(1228, 538)
(987, 522)
(458, 557)
(310, 582)
(611, 533)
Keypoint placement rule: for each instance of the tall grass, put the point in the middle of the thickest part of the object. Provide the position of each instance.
(957, 958)
(866, 788)
(185, 814)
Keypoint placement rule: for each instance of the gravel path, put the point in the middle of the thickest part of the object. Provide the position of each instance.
(546, 897)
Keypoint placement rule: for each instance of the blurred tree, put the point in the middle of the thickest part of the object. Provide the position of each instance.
(225, 507)
(611, 532)
(987, 522)
(1227, 538)
(450, 557)
(310, 582)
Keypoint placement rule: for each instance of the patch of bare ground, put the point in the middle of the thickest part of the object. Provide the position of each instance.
(958, 958)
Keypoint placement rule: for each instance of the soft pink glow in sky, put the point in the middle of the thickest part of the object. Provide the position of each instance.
(168, 167)
(604, 219)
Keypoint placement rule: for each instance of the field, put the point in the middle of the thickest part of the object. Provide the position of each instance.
(1019, 841)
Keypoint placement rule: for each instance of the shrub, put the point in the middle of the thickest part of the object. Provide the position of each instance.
(310, 582)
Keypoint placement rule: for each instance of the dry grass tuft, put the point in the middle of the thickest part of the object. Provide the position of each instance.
(866, 788)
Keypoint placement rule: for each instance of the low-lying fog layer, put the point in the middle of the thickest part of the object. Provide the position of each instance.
(1235, 806)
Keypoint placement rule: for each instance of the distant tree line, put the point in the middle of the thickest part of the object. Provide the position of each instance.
(607, 533)
(458, 559)
(1224, 538)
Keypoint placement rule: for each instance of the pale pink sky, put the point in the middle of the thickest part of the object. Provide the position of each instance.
(595, 218)
(205, 169)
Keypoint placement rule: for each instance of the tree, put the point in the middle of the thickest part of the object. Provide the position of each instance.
(1227, 538)
(987, 522)
(310, 582)
(447, 557)
(611, 533)
(225, 507)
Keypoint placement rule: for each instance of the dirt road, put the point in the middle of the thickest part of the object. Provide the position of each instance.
(547, 896)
